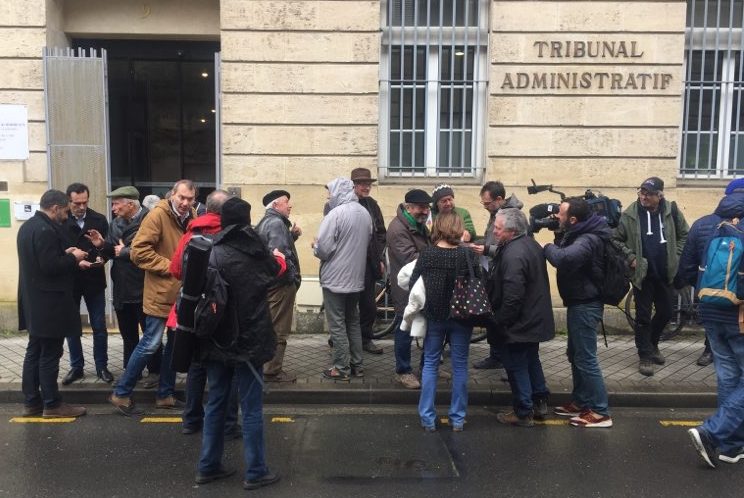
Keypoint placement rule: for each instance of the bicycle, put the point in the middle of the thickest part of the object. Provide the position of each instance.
(685, 310)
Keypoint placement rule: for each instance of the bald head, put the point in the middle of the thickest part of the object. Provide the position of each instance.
(215, 200)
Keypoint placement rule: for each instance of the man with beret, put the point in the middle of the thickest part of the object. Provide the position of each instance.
(721, 437)
(443, 201)
(651, 233)
(90, 283)
(406, 236)
(363, 181)
(278, 232)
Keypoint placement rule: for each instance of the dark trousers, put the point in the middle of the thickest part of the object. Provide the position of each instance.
(526, 379)
(657, 294)
(131, 319)
(193, 412)
(96, 304)
(40, 371)
(368, 305)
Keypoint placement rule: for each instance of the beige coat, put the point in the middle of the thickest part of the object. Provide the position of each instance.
(152, 249)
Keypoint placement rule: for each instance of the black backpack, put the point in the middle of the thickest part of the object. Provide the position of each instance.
(614, 282)
(210, 308)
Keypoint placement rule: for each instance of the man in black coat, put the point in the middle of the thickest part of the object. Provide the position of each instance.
(243, 342)
(90, 283)
(46, 308)
(363, 180)
(520, 295)
(580, 264)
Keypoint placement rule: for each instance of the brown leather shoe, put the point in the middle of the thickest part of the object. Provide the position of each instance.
(32, 410)
(64, 411)
(125, 406)
(169, 403)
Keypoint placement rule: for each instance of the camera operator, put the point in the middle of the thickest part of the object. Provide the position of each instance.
(493, 199)
(652, 233)
(579, 263)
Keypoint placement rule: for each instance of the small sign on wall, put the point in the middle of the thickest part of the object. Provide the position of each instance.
(25, 210)
(4, 213)
(13, 132)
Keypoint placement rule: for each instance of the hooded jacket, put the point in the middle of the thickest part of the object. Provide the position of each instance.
(343, 238)
(578, 260)
(208, 223)
(693, 254)
(246, 333)
(629, 239)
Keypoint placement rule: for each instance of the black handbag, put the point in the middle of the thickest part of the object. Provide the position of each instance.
(469, 301)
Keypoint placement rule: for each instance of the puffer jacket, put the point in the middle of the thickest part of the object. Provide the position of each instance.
(343, 237)
(578, 260)
(628, 238)
(246, 333)
(152, 249)
(693, 254)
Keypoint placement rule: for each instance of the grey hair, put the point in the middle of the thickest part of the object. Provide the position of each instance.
(215, 200)
(150, 201)
(136, 203)
(514, 220)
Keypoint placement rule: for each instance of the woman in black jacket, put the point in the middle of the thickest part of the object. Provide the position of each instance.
(439, 265)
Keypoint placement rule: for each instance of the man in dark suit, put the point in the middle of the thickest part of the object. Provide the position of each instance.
(46, 307)
(90, 283)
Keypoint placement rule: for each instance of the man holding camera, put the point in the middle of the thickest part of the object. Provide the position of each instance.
(651, 233)
(580, 267)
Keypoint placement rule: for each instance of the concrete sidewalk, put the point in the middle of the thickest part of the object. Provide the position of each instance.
(679, 383)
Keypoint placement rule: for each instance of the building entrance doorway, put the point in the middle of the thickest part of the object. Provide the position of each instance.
(162, 113)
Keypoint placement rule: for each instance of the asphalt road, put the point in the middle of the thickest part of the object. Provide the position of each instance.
(332, 451)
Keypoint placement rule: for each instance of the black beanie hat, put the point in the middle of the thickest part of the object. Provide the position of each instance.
(235, 211)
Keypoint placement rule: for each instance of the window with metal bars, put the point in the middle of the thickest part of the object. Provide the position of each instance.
(433, 87)
(713, 123)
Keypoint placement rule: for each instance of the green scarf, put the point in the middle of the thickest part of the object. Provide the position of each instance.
(419, 227)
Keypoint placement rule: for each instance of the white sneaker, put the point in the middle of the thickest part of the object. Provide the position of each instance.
(408, 380)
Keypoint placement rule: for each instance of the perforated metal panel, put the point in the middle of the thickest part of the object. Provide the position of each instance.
(77, 124)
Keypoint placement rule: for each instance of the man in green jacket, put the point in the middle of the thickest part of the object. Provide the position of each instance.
(443, 201)
(652, 233)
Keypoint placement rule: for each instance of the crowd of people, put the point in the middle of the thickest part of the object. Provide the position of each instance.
(427, 250)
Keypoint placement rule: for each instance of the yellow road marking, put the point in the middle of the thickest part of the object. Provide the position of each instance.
(680, 423)
(161, 420)
(282, 420)
(552, 421)
(41, 420)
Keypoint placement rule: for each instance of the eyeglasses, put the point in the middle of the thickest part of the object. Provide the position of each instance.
(645, 193)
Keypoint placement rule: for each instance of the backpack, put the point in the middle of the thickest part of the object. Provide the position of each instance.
(614, 283)
(721, 280)
(210, 308)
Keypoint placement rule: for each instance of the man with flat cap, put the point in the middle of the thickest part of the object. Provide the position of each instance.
(363, 181)
(651, 233)
(406, 236)
(278, 232)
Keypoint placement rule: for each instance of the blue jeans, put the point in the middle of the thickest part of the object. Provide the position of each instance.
(526, 379)
(220, 378)
(588, 384)
(726, 426)
(96, 304)
(193, 412)
(402, 345)
(147, 346)
(459, 340)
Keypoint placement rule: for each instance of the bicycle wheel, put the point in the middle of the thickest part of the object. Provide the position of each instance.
(682, 302)
(385, 319)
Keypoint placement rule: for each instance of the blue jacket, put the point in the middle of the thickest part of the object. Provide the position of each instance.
(693, 254)
(578, 260)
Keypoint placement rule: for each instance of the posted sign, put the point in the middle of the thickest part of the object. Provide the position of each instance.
(13, 132)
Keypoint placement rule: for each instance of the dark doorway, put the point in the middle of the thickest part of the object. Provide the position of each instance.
(161, 112)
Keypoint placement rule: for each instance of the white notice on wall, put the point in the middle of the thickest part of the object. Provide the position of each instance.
(13, 132)
(24, 210)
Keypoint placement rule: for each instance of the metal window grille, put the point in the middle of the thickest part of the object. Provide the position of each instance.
(433, 87)
(712, 142)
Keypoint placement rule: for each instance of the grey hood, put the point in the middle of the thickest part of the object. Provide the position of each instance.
(341, 191)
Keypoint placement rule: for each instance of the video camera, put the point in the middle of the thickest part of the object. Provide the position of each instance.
(544, 215)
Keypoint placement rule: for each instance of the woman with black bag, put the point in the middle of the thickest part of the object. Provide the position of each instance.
(442, 266)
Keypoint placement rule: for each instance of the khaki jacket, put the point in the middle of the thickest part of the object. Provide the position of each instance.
(152, 250)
